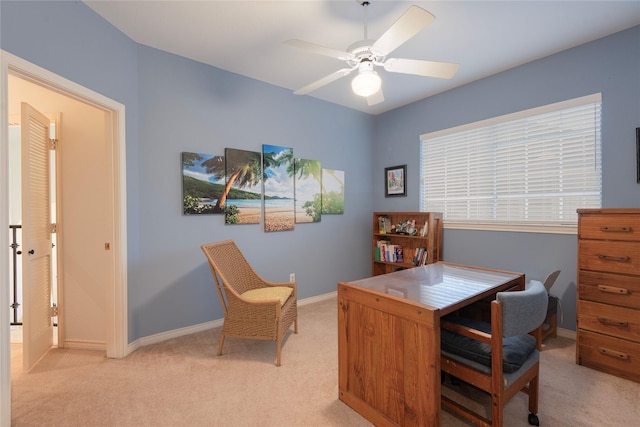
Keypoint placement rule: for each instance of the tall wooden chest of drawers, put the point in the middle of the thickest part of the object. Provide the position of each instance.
(608, 300)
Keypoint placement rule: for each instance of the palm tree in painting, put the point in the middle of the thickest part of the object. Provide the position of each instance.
(269, 161)
(333, 201)
(243, 169)
(305, 168)
(333, 174)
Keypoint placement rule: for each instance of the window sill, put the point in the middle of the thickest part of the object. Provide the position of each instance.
(520, 228)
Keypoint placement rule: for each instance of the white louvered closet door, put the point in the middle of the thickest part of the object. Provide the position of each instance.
(36, 236)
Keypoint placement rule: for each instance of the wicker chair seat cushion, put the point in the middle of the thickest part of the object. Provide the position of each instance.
(515, 350)
(281, 293)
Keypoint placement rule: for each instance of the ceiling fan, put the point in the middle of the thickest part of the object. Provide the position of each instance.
(366, 54)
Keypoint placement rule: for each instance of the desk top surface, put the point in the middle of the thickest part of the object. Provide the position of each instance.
(440, 285)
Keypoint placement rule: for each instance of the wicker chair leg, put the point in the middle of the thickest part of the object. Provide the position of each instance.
(295, 326)
(220, 345)
(279, 352)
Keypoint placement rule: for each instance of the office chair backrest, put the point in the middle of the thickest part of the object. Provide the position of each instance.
(550, 280)
(523, 311)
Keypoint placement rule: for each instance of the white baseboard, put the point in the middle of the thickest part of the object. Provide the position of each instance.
(317, 298)
(85, 345)
(567, 333)
(175, 333)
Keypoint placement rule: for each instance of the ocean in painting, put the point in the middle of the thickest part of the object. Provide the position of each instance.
(255, 203)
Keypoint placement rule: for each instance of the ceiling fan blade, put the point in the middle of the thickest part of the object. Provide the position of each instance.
(376, 98)
(316, 48)
(441, 70)
(407, 26)
(323, 81)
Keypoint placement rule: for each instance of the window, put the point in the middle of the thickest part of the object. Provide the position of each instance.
(521, 172)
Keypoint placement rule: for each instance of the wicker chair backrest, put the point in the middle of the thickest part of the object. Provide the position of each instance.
(232, 267)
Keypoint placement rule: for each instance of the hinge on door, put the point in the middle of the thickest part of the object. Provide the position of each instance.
(54, 228)
(53, 143)
(54, 310)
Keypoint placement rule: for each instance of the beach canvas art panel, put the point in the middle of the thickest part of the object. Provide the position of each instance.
(278, 184)
(308, 185)
(332, 191)
(202, 183)
(242, 196)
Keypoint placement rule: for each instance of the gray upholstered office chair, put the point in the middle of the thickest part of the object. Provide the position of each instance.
(550, 325)
(500, 357)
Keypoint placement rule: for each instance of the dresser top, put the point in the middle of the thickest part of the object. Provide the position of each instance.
(609, 211)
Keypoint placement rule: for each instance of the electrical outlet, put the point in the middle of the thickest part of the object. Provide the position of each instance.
(292, 277)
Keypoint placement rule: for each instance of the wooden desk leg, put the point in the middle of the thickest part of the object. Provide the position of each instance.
(538, 335)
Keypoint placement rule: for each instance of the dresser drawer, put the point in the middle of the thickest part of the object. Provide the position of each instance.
(609, 320)
(609, 354)
(609, 288)
(610, 227)
(607, 256)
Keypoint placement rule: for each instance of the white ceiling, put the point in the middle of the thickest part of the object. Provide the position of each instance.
(245, 37)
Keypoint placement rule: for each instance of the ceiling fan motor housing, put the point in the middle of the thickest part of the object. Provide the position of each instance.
(361, 51)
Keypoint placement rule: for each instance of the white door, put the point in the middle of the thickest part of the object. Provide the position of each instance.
(37, 326)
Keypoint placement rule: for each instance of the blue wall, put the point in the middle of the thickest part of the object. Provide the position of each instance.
(174, 105)
(189, 106)
(610, 65)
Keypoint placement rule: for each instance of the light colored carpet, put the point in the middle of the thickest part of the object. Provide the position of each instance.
(182, 382)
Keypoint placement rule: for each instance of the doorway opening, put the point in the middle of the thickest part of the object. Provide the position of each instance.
(113, 244)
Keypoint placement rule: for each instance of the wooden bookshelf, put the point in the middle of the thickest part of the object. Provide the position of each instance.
(396, 229)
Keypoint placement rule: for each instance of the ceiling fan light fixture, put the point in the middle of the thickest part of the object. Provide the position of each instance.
(367, 82)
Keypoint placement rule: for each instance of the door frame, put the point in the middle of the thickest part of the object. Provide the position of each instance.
(116, 304)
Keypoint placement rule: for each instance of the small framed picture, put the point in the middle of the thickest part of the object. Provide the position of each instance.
(395, 181)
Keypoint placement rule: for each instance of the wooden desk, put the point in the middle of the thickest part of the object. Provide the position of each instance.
(389, 337)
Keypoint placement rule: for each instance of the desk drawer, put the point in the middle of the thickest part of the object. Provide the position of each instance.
(609, 354)
(606, 256)
(613, 289)
(609, 320)
(610, 227)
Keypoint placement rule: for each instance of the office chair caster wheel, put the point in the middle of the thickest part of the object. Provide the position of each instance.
(533, 420)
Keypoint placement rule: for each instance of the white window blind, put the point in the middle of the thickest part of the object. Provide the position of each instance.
(532, 168)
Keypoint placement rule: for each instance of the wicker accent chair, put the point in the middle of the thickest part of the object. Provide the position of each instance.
(254, 308)
(501, 357)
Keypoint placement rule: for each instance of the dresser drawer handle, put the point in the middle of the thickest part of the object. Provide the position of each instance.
(614, 258)
(612, 322)
(613, 290)
(616, 229)
(613, 353)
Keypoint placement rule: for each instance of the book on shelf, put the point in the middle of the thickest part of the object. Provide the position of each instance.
(386, 251)
(423, 232)
(399, 253)
(420, 256)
